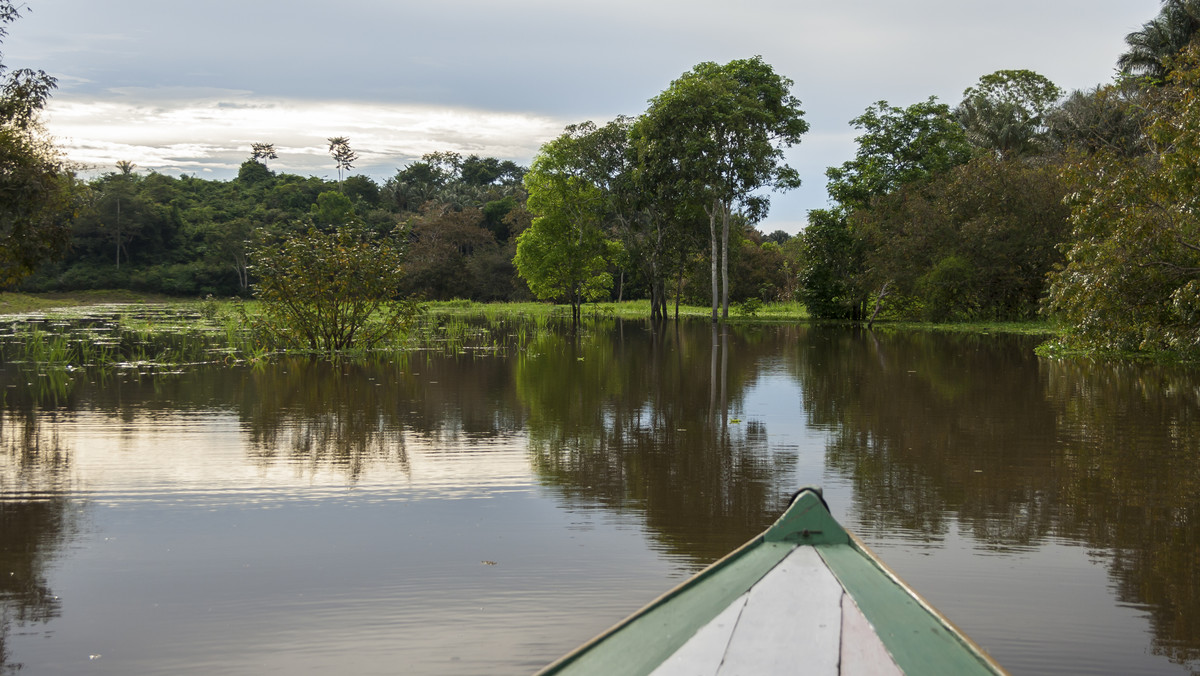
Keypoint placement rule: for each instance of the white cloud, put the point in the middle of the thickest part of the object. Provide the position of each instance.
(172, 128)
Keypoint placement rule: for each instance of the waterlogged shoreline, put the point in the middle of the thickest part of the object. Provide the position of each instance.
(79, 329)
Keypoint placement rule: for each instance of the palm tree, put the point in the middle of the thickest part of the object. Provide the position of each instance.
(1160, 38)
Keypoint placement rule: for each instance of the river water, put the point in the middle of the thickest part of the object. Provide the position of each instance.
(465, 511)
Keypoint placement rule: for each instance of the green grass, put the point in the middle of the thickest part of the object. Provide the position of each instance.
(180, 328)
(12, 303)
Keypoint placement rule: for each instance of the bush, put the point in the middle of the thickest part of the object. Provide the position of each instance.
(330, 291)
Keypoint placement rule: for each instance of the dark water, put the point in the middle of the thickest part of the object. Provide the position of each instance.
(484, 512)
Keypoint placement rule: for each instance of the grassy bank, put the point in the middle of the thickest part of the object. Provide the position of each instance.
(21, 303)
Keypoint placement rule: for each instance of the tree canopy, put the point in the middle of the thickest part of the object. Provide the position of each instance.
(898, 146)
(37, 189)
(564, 253)
(717, 136)
(1132, 275)
(1006, 111)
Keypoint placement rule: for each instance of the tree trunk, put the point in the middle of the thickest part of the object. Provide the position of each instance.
(678, 292)
(712, 235)
(883, 292)
(724, 261)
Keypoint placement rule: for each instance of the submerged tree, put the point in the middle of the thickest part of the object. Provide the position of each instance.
(717, 137)
(564, 253)
(330, 291)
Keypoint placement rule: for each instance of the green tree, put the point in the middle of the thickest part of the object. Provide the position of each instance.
(1006, 111)
(716, 136)
(343, 156)
(1160, 39)
(897, 146)
(330, 291)
(263, 151)
(1132, 275)
(564, 254)
(1111, 117)
(37, 189)
(974, 242)
(830, 266)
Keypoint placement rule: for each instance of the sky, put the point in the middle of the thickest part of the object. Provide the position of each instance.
(185, 88)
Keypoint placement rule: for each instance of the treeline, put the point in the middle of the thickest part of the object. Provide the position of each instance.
(457, 219)
(1020, 201)
(187, 236)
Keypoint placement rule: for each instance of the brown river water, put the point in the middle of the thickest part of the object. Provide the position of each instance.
(484, 511)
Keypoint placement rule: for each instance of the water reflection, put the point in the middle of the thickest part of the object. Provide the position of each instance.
(637, 419)
(939, 436)
(1130, 485)
(35, 520)
(939, 428)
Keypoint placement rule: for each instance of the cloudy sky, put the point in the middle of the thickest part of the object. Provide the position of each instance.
(186, 87)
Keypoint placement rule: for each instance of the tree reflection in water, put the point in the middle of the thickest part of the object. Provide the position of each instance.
(630, 418)
(315, 413)
(934, 432)
(36, 517)
(935, 428)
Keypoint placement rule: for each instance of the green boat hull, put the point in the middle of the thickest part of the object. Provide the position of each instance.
(907, 634)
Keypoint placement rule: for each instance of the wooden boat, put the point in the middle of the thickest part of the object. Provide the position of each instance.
(805, 597)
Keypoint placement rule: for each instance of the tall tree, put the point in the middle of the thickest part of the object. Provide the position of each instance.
(717, 136)
(263, 151)
(1111, 117)
(1132, 274)
(897, 146)
(343, 156)
(1006, 111)
(36, 186)
(1160, 39)
(830, 267)
(564, 253)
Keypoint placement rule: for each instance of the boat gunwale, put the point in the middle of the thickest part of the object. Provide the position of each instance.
(858, 544)
(688, 583)
(772, 536)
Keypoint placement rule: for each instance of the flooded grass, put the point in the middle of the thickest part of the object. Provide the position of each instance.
(155, 335)
(114, 335)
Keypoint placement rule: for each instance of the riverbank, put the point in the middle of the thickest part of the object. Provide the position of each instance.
(23, 303)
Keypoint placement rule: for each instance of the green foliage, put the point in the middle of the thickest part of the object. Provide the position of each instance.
(829, 267)
(253, 171)
(564, 254)
(1131, 276)
(897, 146)
(715, 139)
(37, 191)
(343, 156)
(1006, 112)
(1158, 41)
(451, 255)
(974, 242)
(330, 291)
(1111, 117)
(332, 208)
(749, 307)
(948, 290)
